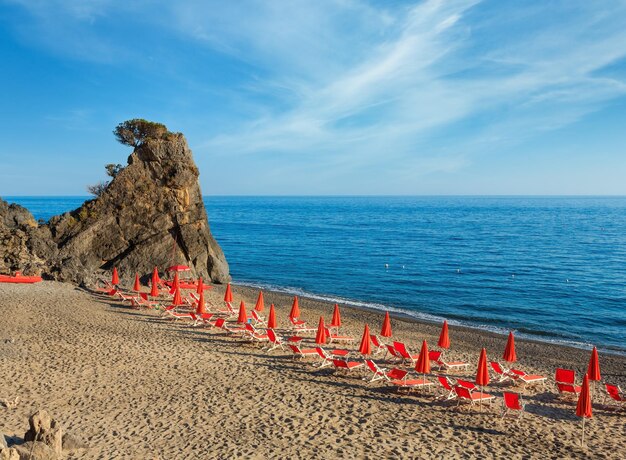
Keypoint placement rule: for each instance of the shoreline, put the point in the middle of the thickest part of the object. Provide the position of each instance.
(423, 318)
(466, 341)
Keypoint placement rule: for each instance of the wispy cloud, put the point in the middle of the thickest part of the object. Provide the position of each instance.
(400, 88)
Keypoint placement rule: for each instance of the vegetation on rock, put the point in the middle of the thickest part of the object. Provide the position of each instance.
(135, 132)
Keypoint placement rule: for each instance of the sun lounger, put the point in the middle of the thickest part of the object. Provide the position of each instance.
(300, 326)
(328, 356)
(503, 373)
(395, 355)
(444, 365)
(338, 338)
(512, 405)
(302, 352)
(378, 344)
(565, 382)
(259, 321)
(464, 394)
(399, 379)
(275, 341)
(378, 372)
(521, 376)
(615, 393)
(345, 365)
(404, 353)
(448, 388)
(252, 334)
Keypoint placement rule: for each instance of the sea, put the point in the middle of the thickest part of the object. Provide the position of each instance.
(547, 268)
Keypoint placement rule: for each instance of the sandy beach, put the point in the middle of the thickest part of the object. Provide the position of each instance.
(134, 385)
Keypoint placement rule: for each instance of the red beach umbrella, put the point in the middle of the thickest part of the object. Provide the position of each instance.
(271, 319)
(509, 351)
(175, 283)
(136, 286)
(593, 370)
(366, 346)
(228, 295)
(336, 321)
(243, 316)
(177, 298)
(200, 309)
(260, 303)
(444, 339)
(320, 337)
(115, 278)
(295, 309)
(200, 286)
(386, 329)
(155, 276)
(423, 361)
(583, 408)
(154, 289)
(482, 373)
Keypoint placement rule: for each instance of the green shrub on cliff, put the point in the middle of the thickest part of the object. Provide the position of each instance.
(135, 132)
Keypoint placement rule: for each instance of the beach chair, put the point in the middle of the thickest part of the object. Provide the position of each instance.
(466, 384)
(448, 388)
(203, 319)
(565, 382)
(378, 344)
(520, 376)
(275, 341)
(302, 352)
(378, 372)
(399, 379)
(328, 356)
(464, 394)
(615, 393)
(444, 365)
(300, 326)
(395, 355)
(338, 338)
(259, 321)
(512, 405)
(345, 365)
(503, 373)
(252, 334)
(404, 353)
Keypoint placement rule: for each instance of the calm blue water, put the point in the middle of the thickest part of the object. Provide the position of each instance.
(550, 268)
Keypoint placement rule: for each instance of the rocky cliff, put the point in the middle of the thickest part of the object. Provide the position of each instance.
(150, 214)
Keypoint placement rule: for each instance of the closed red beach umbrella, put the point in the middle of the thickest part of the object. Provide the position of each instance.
(154, 289)
(509, 351)
(320, 337)
(366, 346)
(593, 370)
(260, 303)
(228, 295)
(423, 361)
(271, 318)
(583, 407)
(175, 283)
(444, 338)
(243, 316)
(155, 275)
(177, 298)
(115, 278)
(336, 321)
(200, 288)
(482, 373)
(295, 309)
(136, 286)
(386, 329)
(200, 309)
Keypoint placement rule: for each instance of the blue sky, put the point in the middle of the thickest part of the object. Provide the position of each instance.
(321, 97)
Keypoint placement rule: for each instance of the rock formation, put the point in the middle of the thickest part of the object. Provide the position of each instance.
(151, 214)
